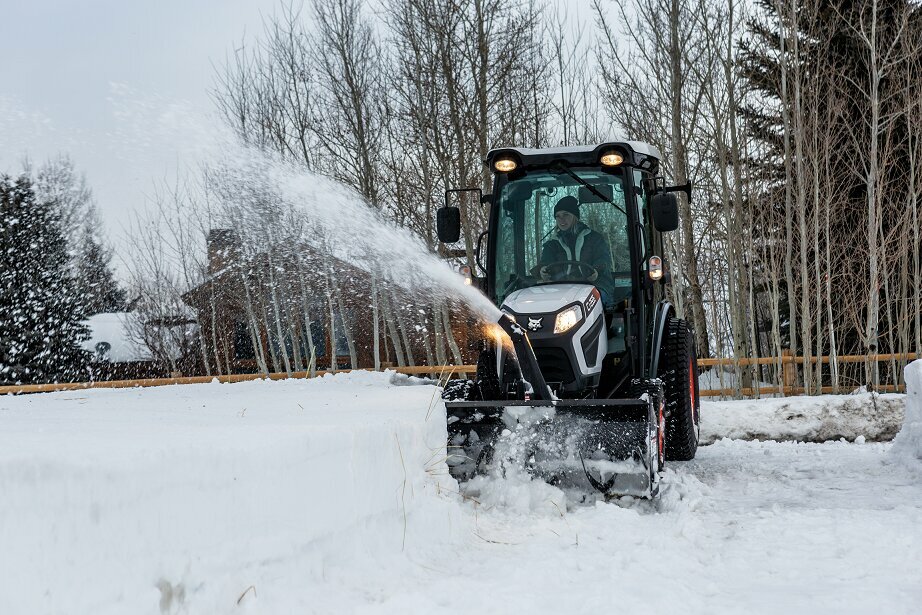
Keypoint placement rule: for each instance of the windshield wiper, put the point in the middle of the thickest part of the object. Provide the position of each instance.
(592, 188)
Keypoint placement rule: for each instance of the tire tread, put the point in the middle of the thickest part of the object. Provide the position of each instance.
(681, 427)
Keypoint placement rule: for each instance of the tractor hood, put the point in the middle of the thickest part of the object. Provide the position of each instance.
(547, 298)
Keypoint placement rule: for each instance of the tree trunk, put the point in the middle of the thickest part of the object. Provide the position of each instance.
(680, 166)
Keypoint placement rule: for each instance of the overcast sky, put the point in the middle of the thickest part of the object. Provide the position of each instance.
(115, 84)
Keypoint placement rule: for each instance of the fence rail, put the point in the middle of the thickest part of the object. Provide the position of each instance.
(442, 371)
(788, 363)
(907, 356)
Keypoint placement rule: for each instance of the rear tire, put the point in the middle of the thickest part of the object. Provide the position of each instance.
(680, 376)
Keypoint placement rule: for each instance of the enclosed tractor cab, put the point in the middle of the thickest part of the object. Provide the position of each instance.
(588, 354)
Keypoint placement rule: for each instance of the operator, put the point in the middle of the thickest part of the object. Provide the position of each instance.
(574, 241)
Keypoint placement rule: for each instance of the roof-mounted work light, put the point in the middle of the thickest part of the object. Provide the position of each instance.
(611, 158)
(505, 165)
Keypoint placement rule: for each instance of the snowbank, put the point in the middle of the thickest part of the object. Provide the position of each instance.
(804, 418)
(126, 501)
(908, 442)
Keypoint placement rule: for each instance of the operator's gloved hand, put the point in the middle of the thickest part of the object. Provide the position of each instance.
(594, 276)
(545, 274)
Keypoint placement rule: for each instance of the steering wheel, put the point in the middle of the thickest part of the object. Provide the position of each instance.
(570, 277)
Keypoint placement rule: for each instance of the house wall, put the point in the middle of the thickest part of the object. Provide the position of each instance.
(273, 294)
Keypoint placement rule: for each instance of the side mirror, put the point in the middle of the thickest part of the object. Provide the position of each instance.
(665, 209)
(448, 224)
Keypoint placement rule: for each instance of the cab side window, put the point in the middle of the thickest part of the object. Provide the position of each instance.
(643, 214)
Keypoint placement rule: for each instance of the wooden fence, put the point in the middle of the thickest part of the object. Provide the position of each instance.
(786, 363)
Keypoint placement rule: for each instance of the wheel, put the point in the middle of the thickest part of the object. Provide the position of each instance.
(679, 372)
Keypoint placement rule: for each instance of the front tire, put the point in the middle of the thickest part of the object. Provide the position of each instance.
(680, 375)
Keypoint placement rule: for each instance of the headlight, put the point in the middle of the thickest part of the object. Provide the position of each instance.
(567, 319)
(505, 165)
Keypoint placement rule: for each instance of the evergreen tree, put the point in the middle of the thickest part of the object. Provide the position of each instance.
(97, 286)
(41, 312)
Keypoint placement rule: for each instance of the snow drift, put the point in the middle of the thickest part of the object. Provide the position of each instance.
(117, 501)
(908, 442)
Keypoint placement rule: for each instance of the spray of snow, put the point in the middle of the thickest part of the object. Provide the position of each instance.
(335, 217)
(509, 483)
(339, 220)
(538, 446)
(365, 237)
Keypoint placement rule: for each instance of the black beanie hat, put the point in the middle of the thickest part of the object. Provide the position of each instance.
(568, 203)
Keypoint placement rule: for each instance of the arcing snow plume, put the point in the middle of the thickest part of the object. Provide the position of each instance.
(362, 236)
(277, 201)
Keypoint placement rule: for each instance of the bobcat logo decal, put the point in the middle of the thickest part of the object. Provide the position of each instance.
(534, 324)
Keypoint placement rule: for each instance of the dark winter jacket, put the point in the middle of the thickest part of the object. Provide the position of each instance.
(581, 243)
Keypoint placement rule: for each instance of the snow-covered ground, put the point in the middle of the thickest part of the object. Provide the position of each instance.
(331, 496)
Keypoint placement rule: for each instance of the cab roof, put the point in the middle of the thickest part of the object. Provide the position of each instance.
(636, 153)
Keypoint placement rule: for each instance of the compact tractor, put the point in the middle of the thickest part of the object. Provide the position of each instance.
(588, 355)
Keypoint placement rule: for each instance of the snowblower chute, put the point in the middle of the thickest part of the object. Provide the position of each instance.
(592, 371)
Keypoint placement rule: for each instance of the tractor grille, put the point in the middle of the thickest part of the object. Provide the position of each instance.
(555, 365)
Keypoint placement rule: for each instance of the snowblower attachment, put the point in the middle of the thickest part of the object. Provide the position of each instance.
(613, 444)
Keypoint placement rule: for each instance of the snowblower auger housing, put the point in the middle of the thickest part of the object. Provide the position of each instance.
(588, 342)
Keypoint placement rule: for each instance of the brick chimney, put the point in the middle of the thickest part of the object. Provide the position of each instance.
(223, 249)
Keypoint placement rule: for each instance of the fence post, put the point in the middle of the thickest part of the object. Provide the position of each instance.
(788, 373)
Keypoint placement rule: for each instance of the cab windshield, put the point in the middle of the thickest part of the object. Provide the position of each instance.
(533, 248)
